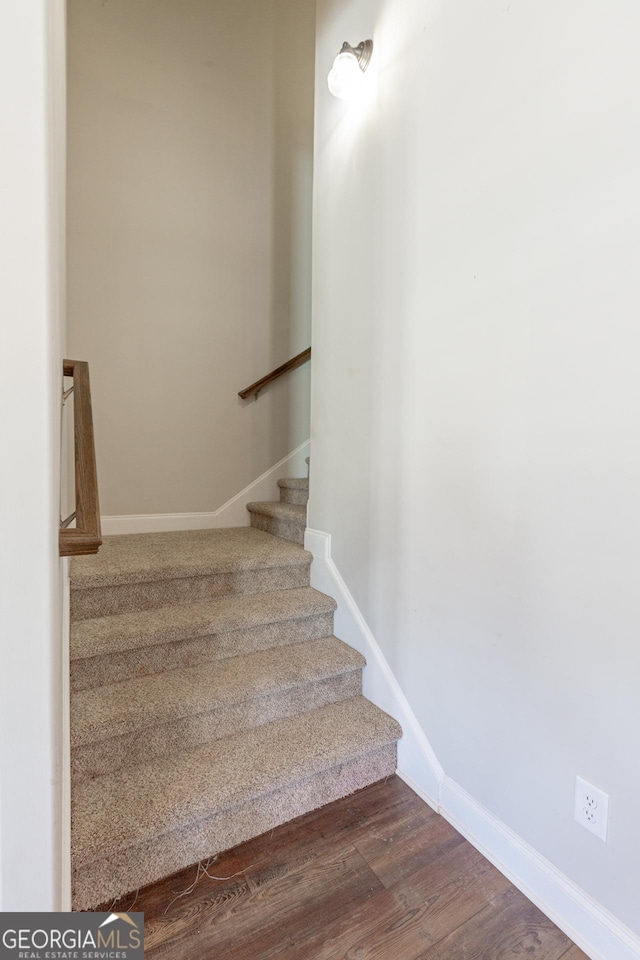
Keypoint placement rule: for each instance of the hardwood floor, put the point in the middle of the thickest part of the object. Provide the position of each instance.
(376, 876)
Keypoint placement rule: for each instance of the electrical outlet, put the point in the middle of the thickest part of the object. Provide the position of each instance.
(591, 808)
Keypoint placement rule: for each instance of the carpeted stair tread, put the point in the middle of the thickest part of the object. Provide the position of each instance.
(283, 518)
(140, 803)
(294, 490)
(130, 706)
(294, 483)
(128, 631)
(291, 512)
(143, 558)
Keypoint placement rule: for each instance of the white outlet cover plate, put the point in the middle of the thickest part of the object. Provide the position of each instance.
(591, 808)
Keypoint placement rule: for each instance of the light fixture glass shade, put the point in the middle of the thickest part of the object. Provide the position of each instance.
(345, 77)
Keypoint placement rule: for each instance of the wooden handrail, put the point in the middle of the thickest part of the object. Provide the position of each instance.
(256, 387)
(86, 536)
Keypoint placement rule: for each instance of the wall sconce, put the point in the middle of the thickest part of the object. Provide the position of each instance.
(347, 73)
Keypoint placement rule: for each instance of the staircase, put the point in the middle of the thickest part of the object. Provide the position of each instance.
(286, 517)
(210, 700)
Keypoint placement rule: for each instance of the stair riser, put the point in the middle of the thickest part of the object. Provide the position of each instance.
(285, 529)
(121, 871)
(151, 743)
(291, 495)
(145, 661)
(126, 598)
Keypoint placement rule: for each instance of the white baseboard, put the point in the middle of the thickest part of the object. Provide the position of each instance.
(415, 754)
(596, 931)
(233, 513)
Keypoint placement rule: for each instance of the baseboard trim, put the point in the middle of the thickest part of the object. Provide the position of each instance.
(233, 513)
(415, 754)
(596, 931)
(417, 789)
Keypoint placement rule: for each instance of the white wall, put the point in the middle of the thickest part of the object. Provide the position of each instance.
(475, 399)
(31, 336)
(190, 182)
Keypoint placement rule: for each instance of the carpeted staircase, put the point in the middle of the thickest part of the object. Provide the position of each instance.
(286, 517)
(210, 700)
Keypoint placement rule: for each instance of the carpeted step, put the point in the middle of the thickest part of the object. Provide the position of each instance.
(286, 520)
(144, 571)
(142, 823)
(294, 490)
(128, 723)
(110, 649)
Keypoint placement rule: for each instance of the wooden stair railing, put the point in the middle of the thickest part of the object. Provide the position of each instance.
(86, 536)
(256, 387)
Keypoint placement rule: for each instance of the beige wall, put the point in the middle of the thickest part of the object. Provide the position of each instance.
(189, 182)
(476, 402)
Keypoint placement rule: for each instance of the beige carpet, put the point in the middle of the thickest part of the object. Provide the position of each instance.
(211, 701)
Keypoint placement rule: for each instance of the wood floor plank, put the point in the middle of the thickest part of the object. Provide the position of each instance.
(508, 929)
(574, 953)
(400, 922)
(262, 918)
(412, 842)
(173, 907)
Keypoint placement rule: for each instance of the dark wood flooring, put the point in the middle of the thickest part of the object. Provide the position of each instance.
(376, 876)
